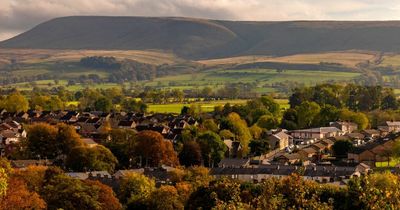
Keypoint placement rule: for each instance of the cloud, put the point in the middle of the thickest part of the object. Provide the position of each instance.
(19, 15)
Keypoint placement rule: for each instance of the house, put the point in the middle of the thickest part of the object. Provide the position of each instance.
(319, 147)
(355, 136)
(89, 142)
(371, 133)
(393, 126)
(86, 175)
(371, 152)
(316, 133)
(307, 153)
(322, 174)
(162, 129)
(278, 140)
(21, 164)
(345, 127)
(292, 158)
(127, 124)
(233, 148)
(327, 142)
(234, 163)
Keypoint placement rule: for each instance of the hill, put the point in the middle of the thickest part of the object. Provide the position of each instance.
(204, 39)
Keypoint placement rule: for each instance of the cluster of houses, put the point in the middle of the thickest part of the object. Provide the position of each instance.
(305, 149)
(89, 125)
(310, 150)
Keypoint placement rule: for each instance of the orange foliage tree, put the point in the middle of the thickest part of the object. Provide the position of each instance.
(154, 150)
(19, 197)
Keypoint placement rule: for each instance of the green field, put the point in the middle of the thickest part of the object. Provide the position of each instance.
(205, 106)
(217, 78)
(392, 163)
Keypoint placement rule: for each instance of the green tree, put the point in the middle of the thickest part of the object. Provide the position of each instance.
(327, 114)
(210, 124)
(341, 148)
(357, 117)
(97, 158)
(268, 122)
(259, 147)
(135, 188)
(290, 119)
(240, 129)
(103, 104)
(306, 112)
(63, 192)
(212, 148)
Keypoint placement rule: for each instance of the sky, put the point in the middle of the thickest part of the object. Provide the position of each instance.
(17, 16)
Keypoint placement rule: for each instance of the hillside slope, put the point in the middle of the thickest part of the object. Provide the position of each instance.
(197, 38)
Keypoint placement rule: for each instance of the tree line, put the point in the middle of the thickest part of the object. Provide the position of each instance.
(40, 187)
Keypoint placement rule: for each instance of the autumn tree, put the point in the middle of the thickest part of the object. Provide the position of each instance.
(122, 146)
(166, 197)
(190, 154)
(47, 141)
(67, 138)
(106, 196)
(375, 191)
(154, 150)
(19, 197)
(33, 176)
(3, 182)
(42, 141)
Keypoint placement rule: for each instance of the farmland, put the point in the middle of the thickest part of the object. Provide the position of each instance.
(217, 78)
(350, 59)
(214, 73)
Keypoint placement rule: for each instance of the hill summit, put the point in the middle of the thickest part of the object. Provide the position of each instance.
(199, 38)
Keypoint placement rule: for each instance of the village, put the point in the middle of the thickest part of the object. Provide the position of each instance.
(307, 152)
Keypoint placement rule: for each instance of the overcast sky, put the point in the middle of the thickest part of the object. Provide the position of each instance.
(17, 16)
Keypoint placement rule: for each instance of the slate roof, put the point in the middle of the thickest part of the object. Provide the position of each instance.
(320, 130)
(312, 171)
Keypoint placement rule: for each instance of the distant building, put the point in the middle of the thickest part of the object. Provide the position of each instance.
(316, 133)
(345, 127)
(393, 126)
(279, 140)
(322, 174)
